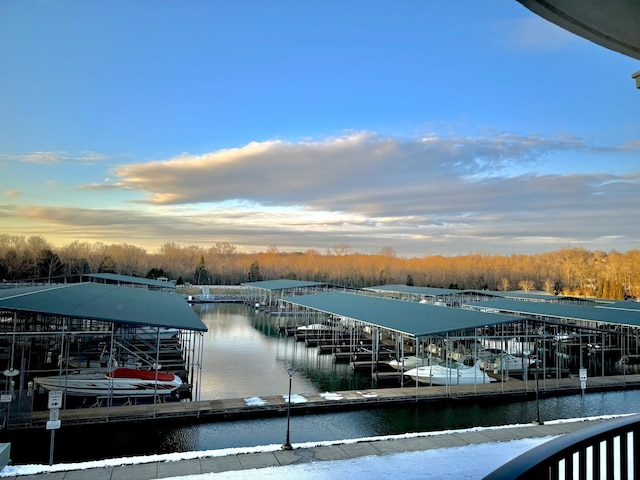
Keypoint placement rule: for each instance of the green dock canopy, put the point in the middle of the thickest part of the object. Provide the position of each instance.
(129, 280)
(109, 303)
(409, 318)
(283, 284)
(612, 314)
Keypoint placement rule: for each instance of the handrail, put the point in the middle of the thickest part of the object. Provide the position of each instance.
(609, 447)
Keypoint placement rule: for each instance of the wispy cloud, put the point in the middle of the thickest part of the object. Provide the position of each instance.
(11, 193)
(48, 157)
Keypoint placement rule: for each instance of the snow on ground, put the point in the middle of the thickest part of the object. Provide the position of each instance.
(468, 462)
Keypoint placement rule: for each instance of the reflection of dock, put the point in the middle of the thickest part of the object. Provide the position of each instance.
(276, 405)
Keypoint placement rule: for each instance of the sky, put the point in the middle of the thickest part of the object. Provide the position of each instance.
(433, 128)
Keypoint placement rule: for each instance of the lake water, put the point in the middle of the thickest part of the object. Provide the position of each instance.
(245, 357)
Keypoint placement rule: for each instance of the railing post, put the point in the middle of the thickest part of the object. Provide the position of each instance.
(624, 456)
(596, 460)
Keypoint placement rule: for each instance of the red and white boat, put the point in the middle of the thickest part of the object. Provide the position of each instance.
(120, 382)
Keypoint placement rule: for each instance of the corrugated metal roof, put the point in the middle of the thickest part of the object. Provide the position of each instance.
(410, 318)
(426, 291)
(109, 303)
(434, 292)
(112, 277)
(572, 312)
(282, 284)
(619, 304)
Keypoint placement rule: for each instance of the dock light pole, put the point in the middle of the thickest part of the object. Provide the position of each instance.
(527, 354)
(287, 443)
(537, 392)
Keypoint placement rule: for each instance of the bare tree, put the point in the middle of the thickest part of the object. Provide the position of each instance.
(526, 285)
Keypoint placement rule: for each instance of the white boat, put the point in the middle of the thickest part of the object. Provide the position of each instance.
(508, 363)
(450, 373)
(122, 382)
(147, 333)
(628, 364)
(316, 327)
(409, 362)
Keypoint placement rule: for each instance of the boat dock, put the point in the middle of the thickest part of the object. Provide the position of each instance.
(276, 405)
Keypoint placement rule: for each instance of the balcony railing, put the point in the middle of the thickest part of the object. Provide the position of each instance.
(607, 450)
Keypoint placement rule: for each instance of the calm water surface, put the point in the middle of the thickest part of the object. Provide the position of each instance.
(245, 357)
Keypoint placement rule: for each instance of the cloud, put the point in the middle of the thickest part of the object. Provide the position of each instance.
(333, 173)
(11, 193)
(433, 194)
(50, 157)
(533, 34)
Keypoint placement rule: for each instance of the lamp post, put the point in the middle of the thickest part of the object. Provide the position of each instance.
(527, 354)
(287, 443)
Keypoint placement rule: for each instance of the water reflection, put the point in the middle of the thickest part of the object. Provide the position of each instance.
(246, 355)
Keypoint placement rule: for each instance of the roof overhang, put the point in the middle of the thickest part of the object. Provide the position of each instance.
(109, 303)
(613, 24)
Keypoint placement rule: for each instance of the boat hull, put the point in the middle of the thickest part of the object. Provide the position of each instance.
(441, 375)
(100, 385)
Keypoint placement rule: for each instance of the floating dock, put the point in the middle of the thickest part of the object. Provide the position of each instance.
(276, 405)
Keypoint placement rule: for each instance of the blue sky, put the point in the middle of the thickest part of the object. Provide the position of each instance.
(430, 127)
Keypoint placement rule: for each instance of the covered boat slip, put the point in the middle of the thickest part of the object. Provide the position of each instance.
(455, 298)
(408, 328)
(59, 330)
(265, 295)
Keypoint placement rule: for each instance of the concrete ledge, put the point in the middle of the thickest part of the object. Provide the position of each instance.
(5, 454)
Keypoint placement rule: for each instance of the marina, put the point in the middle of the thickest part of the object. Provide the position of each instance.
(248, 357)
(244, 400)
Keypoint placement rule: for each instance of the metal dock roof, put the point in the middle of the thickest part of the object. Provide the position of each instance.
(282, 284)
(109, 303)
(436, 292)
(572, 312)
(426, 291)
(410, 318)
(112, 277)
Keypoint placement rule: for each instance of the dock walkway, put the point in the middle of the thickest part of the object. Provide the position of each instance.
(198, 463)
(276, 405)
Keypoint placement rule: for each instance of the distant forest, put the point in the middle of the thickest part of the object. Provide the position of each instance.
(567, 271)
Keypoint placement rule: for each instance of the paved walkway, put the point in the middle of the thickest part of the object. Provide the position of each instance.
(345, 451)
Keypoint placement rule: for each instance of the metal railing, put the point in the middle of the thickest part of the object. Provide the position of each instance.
(607, 450)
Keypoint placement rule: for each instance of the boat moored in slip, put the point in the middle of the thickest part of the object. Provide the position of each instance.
(130, 382)
(148, 333)
(450, 373)
(507, 363)
(409, 362)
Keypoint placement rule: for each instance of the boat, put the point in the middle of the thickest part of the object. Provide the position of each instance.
(409, 362)
(506, 362)
(152, 333)
(628, 364)
(123, 382)
(450, 373)
(316, 327)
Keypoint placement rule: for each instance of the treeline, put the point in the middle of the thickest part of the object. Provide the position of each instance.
(568, 271)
